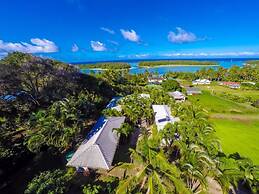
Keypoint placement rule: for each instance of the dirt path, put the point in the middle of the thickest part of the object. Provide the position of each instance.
(240, 117)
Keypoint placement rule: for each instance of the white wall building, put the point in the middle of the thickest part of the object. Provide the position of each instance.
(201, 82)
(163, 116)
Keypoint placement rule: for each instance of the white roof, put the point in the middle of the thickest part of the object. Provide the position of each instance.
(98, 152)
(177, 95)
(145, 95)
(201, 81)
(163, 116)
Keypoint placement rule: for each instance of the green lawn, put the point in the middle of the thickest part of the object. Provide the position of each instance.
(216, 104)
(254, 94)
(239, 136)
(236, 124)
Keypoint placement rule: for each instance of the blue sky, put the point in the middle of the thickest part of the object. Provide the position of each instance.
(89, 30)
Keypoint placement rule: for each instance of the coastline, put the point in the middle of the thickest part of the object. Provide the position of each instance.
(149, 67)
(178, 66)
(100, 69)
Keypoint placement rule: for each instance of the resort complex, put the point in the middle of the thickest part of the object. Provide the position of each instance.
(129, 97)
(114, 130)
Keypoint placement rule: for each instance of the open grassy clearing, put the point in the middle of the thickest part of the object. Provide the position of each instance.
(236, 124)
(239, 136)
(215, 88)
(216, 104)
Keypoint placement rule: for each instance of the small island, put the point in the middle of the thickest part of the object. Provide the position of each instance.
(177, 63)
(105, 65)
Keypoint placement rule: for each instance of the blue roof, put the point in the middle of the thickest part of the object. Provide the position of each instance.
(97, 126)
(102, 120)
(113, 102)
(8, 97)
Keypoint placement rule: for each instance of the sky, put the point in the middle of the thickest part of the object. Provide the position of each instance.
(99, 30)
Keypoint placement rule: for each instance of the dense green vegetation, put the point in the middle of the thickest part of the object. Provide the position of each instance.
(171, 85)
(235, 74)
(50, 182)
(107, 65)
(252, 62)
(175, 62)
(48, 107)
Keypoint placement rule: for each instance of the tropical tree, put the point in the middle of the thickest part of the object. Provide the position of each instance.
(137, 108)
(150, 172)
(59, 125)
(50, 182)
(171, 85)
(125, 130)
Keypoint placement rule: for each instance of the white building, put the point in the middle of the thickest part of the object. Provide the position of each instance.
(155, 80)
(163, 116)
(178, 96)
(201, 82)
(98, 152)
(144, 95)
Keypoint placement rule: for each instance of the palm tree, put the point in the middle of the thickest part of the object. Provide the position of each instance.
(55, 127)
(196, 166)
(150, 172)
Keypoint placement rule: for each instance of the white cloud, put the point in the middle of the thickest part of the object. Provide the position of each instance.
(142, 55)
(181, 36)
(145, 55)
(98, 46)
(130, 35)
(212, 54)
(113, 42)
(107, 30)
(36, 46)
(75, 48)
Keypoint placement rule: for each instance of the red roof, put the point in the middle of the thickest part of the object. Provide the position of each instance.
(230, 83)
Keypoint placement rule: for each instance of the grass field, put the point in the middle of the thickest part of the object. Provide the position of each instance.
(254, 94)
(239, 136)
(216, 104)
(236, 124)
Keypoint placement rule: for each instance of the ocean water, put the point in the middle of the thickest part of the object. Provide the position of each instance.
(226, 63)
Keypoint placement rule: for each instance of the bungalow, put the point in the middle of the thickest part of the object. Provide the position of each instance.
(192, 91)
(178, 96)
(98, 151)
(155, 80)
(233, 85)
(201, 82)
(163, 116)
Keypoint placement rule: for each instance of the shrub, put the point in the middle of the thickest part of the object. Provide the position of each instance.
(50, 182)
(171, 85)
